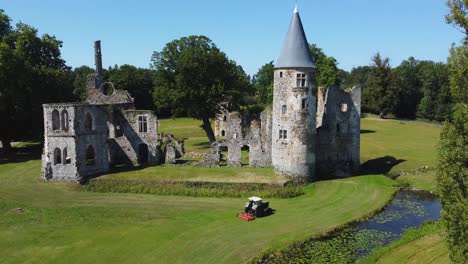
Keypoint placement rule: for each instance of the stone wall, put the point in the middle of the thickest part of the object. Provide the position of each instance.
(243, 130)
(338, 132)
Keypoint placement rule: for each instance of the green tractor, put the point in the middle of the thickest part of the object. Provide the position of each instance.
(256, 207)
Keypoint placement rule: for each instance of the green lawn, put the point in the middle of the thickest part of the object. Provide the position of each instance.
(423, 245)
(62, 224)
(411, 144)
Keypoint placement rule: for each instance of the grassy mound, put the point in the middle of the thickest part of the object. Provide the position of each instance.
(193, 188)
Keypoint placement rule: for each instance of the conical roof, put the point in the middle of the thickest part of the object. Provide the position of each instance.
(295, 53)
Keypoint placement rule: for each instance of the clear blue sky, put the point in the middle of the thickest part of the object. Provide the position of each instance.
(250, 32)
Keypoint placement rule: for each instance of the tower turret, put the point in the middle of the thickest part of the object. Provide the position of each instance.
(294, 107)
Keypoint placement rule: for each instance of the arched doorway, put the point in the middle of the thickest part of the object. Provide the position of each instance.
(90, 156)
(245, 155)
(143, 154)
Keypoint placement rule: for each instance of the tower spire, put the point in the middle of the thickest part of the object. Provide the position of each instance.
(295, 53)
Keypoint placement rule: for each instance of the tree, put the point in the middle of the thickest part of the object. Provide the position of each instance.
(409, 88)
(434, 80)
(458, 15)
(194, 77)
(263, 83)
(78, 76)
(452, 177)
(358, 76)
(380, 93)
(327, 69)
(32, 72)
(137, 81)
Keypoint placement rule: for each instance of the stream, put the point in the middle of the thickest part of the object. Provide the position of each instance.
(408, 209)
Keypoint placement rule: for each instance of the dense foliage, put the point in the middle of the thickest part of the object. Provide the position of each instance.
(32, 72)
(452, 178)
(195, 78)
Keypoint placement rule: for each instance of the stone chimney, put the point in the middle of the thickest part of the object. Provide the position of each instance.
(98, 57)
(94, 81)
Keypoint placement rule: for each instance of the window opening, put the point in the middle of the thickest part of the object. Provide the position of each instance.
(88, 122)
(55, 120)
(66, 158)
(283, 134)
(57, 156)
(281, 74)
(304, 103)
(64, 120)
(301, 80)
(142, 124)
(245, 155)
(344, 107)
(90, 156)
(223, 133)
(284, 109)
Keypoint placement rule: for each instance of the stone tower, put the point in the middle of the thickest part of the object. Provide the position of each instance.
(294, 107)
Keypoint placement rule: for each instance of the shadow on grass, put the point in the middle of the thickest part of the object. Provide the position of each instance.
(365, 131)
(27, 152)
(381, 165)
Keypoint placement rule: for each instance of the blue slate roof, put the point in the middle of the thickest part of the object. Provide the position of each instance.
(295, 53)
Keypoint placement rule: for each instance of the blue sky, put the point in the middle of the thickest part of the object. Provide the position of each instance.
(250, 32)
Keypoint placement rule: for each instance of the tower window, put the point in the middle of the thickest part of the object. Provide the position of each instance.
(304, 103)
(224, 118)
(301, 80)
(223, 133)
(281, 74)
(142, 124)
(283, 134)
(55, 120)
(284, 109)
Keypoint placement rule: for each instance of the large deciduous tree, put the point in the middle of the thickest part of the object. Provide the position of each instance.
(32, 72)
(452, 177)
(327, 67)
(380, 93)
(195, 77)
(137, 81)
(263, 83)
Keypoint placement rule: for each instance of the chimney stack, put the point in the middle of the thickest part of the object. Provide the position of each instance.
(98, 57)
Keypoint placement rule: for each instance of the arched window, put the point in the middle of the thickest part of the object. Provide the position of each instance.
(223, 133)
(64, 120)
(55, 120)
(66, 158)
(90, 157)
(224, 118)
(88, 122)
(57, 156)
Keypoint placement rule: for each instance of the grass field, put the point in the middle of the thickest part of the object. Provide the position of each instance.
(424, 245)
(61, 224)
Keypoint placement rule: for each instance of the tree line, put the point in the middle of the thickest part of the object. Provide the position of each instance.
(192, 77)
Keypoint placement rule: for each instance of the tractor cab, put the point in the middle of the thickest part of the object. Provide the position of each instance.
(256, 206)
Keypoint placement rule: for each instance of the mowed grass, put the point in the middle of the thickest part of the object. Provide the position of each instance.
(412, 144)
(424, 245)
(62, 225)
(428, 249)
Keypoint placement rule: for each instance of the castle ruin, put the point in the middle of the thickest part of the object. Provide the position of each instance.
(308, 133)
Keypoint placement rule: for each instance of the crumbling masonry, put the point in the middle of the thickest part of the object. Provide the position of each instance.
(86, 139)
(310, 132)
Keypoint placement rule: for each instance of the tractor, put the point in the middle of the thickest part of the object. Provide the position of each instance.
(255, 207)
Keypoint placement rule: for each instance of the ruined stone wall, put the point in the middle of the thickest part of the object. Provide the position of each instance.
(132, 140)
(338, 133)
(96, 138)
(294, 156)
(247, 129)
(62, 139)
